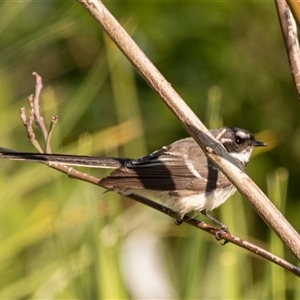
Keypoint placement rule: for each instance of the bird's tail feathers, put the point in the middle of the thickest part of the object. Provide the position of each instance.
(72, 160)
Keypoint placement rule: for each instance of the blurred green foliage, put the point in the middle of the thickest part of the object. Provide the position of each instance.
(66, 239)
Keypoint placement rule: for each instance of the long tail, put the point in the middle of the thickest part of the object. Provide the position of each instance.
(73, 160)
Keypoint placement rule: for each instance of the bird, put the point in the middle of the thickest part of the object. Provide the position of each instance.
(179, 175)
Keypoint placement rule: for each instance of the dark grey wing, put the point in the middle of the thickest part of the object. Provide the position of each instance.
(182, 166)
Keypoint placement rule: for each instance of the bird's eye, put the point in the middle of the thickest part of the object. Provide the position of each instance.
(239, 140)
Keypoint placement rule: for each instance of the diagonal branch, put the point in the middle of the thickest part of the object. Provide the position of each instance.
(290, 37)
(215, 152)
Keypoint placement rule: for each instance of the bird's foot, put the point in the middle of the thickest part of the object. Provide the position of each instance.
(223, 228)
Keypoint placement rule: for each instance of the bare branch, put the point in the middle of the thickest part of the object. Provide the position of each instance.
(215, 152)
(290, 37)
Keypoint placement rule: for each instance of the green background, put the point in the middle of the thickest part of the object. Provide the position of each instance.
(60, 238)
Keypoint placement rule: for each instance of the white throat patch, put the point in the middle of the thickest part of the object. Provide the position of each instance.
(242, 156)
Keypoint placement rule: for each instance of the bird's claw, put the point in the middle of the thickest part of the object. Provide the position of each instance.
(223, 229)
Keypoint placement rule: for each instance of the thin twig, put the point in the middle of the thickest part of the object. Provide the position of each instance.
(54, 120)
(219, 156)
(37, 116)
(28, 126)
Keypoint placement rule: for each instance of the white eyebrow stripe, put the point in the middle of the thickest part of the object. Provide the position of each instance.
(242, 134)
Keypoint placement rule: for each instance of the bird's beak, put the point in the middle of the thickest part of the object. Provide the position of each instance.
(258, 143)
